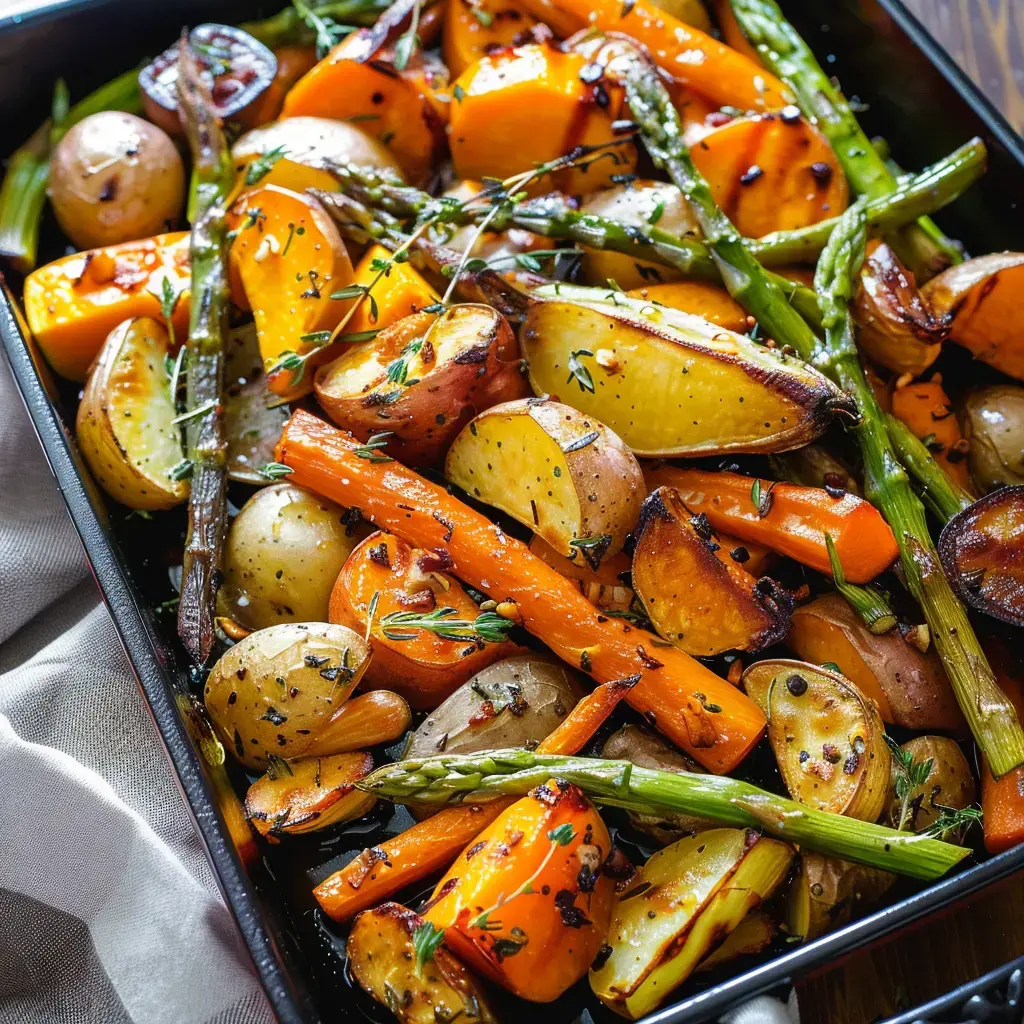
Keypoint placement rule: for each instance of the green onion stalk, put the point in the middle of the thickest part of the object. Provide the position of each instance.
(988, 712)
(924, 247)
(475, 778)
(206, 446)
(869, 602)
(23, 193)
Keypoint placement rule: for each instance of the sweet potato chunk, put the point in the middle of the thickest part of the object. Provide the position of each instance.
(926, 409)
(477, 29)
(710, 301)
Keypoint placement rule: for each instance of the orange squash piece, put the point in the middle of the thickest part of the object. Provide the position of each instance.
(72, 304)
(925, 408)
(711, 301)
(478, 29)
(401, 293)
(357, 79)
(528, 105)
(770, 173)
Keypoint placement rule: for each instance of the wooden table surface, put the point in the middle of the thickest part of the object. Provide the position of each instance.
(987, 38)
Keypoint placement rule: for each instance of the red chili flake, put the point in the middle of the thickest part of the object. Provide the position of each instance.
(646, 659)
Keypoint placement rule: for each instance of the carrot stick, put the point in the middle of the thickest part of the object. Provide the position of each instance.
(674, 690)
(926, 409)
(795, 522)
(687, 54)
(578, 727)
(1002, 800)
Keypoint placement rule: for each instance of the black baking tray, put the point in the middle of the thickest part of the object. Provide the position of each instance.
(915, 97)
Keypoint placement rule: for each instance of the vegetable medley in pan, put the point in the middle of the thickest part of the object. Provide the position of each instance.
(557, 390)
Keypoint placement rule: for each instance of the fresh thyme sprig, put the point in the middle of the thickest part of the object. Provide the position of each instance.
(409, 41)
(907, 775)
(579, 372)
(426, 940)
(953, 819)
(263, 165)
(328, 32)
(486, 628)
(371, 450)
(275, 471)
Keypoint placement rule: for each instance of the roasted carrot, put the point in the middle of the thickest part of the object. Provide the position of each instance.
(687, 54)
(788, 518)
(602, 586)
(732, 34)
(1002, 800)
(578, 727)
(925, 408)
(674, 690)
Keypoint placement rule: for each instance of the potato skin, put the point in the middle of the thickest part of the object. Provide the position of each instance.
(140, 188)
(283, 552)
(828, 891)
(272, 692)
(993, 423)
(512, 703)
(949, 783)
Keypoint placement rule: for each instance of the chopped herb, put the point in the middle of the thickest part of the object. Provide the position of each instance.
(563, 835)
(275, 471)
(263, 164)
(409, 41)
(328, 32)
(278, 767)
(952, 819)
(593, 549)
(426, 940)
(581, 443)
(168, 300)
(655, 215)
(372, 449)
(318, 338)
(484, 17)
(398, 369)
(371, 613)
(352, 291)
(182, 470)
(578, 372)
(831, 666)
(199, 410)
(907, 775)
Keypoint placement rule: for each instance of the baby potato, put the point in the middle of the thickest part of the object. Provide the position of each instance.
(827, 891)
(273, 692)
(949, 782)
(993, 423)
(563, 474)
(115, 178)
(283, 552)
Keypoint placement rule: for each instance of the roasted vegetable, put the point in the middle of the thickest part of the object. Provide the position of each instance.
(827, 892)
(293, 61)
(385, 581)
(422, 380)
(114, 178)
(910, 688)
(993, 423)
(402, 292)
(769, 173)
(289, 259)
(308, 795)
(641, 747)
(236, 69)
(687, 898)
(982, 551)
(535, 95)
(273, 692)
(981, 297)
(125, 420)
(1002, 800)
(561, 473)
(475, 29)
(672, 384)
(602, 586)
(925, 408)
(527, 904)
(789, 518)
(946, 783)
(548, 605)
(387, 953)
(710, 301)
(895, 327)
(283, 552)
(815, 466)
(360, 80)
(368, 720)
(513, 703)
(751, 936)
(695, 595)
(829, 741)
(73, 303)
(297, 153)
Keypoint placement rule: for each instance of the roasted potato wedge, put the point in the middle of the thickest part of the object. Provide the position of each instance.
(423, 379)
(949, 783)
(368, 720)
(564, 475)
(273, 692)
(419, 664)
(602, 586)
(466, 36)
(283, 552)
(981, 296)
(637, 205)
(308, 147)
(753, 934)
(669, 383)
(895, 327)
(909, 688)
(926, 409)
(982, 551)
(827, 892)
(309, 794)
(125, 421)
(382, 957)
(512, 703)
(829, 741)
(993, 423)
(695, 598)
(646, 749)
(543, 941)
(686, 899)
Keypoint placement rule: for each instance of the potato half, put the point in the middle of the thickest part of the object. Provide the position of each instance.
(829, 741)
(273, 692)
(423, 379)
(561, 473)
(695, 598)
(686, 899)
(949, 782)
(125, 420)
(309, 794)
(993, 423)
(382, 958)
(827, 892)
(670, 383)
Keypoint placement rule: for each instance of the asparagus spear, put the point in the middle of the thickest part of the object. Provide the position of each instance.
(780, 46)
(23, 193)
(213, 178)
(467, 778)
(989, 714)
(939, 493)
